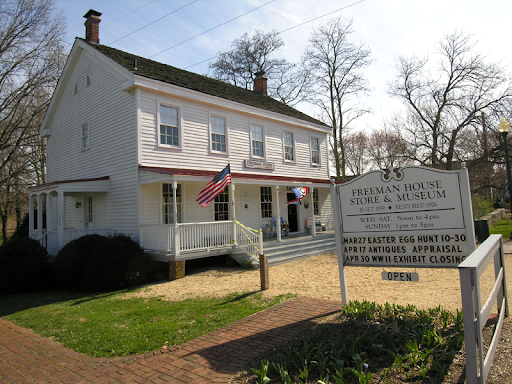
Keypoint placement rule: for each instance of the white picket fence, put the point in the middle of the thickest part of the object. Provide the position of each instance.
(476, 315)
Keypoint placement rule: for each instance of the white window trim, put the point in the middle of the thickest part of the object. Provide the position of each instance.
(228, 186)
(272, 191)
(294, 147)
(251, 123)
(214, 114)
(161, 201)
(180, 119)
(82, 149)
(319, 164)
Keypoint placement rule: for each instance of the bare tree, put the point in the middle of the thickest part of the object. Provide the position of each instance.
(253, 54)
(31, 60)
(356, 151)
(335, 66)
(446, 96)
(387, 150)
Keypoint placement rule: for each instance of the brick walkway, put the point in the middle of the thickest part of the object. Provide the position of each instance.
(26, 357)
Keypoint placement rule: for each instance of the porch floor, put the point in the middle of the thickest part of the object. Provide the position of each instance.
(298, 246)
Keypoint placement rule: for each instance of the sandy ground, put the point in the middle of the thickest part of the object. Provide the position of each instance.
(318, 276)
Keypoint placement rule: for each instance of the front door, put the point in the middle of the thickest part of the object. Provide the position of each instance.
(292, 213)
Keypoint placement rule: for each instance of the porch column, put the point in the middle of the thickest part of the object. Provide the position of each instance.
(313, 230)
(31, 214)
(278, 218)
(39, 215)
(61, 218)
(175, 218)
(49, 212)
(232, 211)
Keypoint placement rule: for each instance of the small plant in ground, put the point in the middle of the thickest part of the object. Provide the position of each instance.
(397, 341)
(262, 372)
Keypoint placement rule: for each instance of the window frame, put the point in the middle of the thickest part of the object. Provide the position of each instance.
(179, 186)
(294, 160)
(211, 115)
(316, 202)
(226, 191)
(159, 103)
(252, 156)
(319, 164)
(270, 201)
(82, 137)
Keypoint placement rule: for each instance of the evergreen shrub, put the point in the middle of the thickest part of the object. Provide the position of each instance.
(22, 264)
(21, 231)
(71, 259)
(115, 263)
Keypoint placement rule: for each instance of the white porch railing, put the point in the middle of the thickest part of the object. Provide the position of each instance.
(200, 236)
(157, 237)
(40, 236)
(196, 236)
(248, 239)
(72, 234)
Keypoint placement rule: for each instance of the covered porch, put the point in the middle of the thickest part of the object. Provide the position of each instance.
(174, 227)
(63, 211)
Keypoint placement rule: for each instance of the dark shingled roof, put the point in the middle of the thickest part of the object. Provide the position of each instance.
(171, 75)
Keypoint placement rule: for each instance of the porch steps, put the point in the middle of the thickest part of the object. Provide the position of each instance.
(294, 248)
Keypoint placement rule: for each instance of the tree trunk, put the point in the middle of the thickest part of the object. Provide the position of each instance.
(3, 215)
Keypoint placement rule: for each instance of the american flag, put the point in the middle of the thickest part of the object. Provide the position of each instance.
(299, 193)
(214, 187)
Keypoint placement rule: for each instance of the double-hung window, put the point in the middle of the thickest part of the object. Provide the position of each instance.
(289, 150)
(257, 141)
(218, 127)
(84, 136)
(167, 203)
(315, 151)
(221, 205)
(266, 201)
(315, 202)
(169, 126)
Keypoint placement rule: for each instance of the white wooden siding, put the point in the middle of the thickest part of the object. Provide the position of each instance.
(111, 115)
(196, 151)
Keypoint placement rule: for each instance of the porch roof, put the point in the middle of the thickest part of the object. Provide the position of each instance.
(99, 184)
(150, 175)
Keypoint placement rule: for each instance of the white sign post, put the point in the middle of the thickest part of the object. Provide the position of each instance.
(415, 217)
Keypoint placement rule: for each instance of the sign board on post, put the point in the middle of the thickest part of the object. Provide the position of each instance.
(412, 217)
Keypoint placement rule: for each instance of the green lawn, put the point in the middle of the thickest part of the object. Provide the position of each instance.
(504, 227)
(113, 324)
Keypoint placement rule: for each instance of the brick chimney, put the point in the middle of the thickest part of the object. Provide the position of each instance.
(260, 83)
(92, 26)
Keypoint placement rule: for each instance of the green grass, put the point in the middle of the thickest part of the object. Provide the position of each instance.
(504, 227)
(112, 324)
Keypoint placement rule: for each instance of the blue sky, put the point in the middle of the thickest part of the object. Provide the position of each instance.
(388, 27)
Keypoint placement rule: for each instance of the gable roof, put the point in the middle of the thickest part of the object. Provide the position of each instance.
(172, 75)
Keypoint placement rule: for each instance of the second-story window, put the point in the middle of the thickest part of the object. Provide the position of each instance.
(84, 133)
(315, 151)
(288, 146)
(169, 126)
(218, 134)
(257, 142)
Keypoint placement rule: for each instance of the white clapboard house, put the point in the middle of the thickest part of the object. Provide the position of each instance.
(131, 142)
